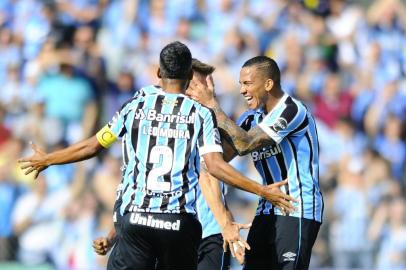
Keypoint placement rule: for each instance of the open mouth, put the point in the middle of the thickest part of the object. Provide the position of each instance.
(249, 99)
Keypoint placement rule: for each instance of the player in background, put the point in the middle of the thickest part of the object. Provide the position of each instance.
(219, 229)
(211, 255)
(166, 133)
(280, 134)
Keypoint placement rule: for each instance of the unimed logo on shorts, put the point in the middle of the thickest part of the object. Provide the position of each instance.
(150, 221)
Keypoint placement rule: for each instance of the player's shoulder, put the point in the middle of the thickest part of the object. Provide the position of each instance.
(248, 114)
(149, 90)
(141, 95)
(294, 104)
(200, 108)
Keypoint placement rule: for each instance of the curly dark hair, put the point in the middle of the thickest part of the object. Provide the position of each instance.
(175, 61)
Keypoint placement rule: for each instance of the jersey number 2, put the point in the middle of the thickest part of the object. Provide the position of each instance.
(157, 152)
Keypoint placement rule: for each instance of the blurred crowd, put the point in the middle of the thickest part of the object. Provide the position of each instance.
(67, 65)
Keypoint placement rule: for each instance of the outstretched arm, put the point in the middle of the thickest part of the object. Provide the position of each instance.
(243, 142)
(223, 171)
(40, 160)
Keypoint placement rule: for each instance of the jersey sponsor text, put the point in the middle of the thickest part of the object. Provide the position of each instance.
(150, 221)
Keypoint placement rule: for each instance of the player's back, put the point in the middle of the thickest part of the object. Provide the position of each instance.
(164, 131)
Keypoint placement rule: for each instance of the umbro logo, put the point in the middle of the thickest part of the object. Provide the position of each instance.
(289, 256)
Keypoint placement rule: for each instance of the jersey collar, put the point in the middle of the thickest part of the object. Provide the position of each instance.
(280, 102)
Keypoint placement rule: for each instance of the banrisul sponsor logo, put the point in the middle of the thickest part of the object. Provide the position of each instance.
(150, 221)
(153, 115)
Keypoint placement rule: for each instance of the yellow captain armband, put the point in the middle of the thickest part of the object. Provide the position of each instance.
(106, 137)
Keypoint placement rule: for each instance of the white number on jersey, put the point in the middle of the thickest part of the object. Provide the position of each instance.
(167, 159)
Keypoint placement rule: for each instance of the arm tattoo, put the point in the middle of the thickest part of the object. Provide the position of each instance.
(242, 141)
(203, 167)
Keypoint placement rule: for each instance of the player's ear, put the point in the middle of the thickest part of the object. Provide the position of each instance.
(269, 84)
(158, 73)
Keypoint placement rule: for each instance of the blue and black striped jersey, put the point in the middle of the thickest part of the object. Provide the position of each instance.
(124, 152)
(295, 156)
(205, 215)
(165, 133)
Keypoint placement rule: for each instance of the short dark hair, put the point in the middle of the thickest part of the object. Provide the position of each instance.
(175, 61)
(267, 66)
(201, 67)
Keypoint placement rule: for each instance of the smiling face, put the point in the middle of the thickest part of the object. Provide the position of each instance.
(254, 87)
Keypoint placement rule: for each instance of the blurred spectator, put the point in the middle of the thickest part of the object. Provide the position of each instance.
(349, 228)
(67, 66)
(75, 251)
(333, 102)
(392, 146)
(9, 191)
(9, 52)
(69, 98)
(88, 60)
(119, 92)
(5, 132)
(37, 220)
(389, 227)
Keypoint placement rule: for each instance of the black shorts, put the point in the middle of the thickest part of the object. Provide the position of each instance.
(117, 216)
(211, 255)
(147, 239)
(280, 243)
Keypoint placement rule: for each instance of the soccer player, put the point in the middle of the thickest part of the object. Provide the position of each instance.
(211, 255)
(280, 133)
(165, 134)
(219, 221)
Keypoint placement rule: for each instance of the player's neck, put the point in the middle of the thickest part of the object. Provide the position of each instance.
(273, 98)
(174, 86)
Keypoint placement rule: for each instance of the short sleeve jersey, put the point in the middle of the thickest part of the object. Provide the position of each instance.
(164, 135)
(295, 156)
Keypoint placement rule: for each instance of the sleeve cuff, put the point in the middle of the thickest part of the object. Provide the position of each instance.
(214, 148)
(274, 136)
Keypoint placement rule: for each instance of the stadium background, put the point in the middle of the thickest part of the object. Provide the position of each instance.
(66, 66)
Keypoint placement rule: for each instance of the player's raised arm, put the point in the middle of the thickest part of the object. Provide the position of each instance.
(224, 171)
(244, 142)
(40, 160)
(82, 150)
(211, 150)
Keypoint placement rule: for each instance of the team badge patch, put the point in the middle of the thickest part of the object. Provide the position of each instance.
(280, 124)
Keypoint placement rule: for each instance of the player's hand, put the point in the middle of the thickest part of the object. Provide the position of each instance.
(233, 240)
(102, 245)
(279, 199)
(35, 163)
(201, 93)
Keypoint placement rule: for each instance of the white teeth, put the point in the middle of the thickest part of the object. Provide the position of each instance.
(248, 98)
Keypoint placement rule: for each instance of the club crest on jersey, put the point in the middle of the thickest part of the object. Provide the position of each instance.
(280, 124)
(170, 102)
